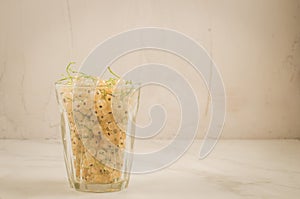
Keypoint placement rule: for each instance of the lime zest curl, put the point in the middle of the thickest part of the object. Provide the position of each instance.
(117, 76)
(73, 75)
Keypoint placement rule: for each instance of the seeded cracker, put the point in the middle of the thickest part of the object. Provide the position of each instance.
(97, 133)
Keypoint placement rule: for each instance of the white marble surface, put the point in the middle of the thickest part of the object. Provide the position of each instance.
(236, 169)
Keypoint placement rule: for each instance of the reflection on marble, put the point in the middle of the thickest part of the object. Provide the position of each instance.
(236, 169)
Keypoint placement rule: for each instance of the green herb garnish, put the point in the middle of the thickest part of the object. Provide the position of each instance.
(117, 76)
(73, 75)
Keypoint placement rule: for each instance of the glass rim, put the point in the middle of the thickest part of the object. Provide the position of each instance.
(134, 84)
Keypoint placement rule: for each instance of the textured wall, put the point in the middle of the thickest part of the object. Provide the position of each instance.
(256, 45)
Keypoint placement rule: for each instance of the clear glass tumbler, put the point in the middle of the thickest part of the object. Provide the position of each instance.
(97, 127)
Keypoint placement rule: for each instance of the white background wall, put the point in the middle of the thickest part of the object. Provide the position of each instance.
(256, 45)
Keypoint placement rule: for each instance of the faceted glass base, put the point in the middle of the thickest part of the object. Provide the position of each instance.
(101, 187)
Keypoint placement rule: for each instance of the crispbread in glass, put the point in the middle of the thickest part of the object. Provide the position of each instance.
(97, 126)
